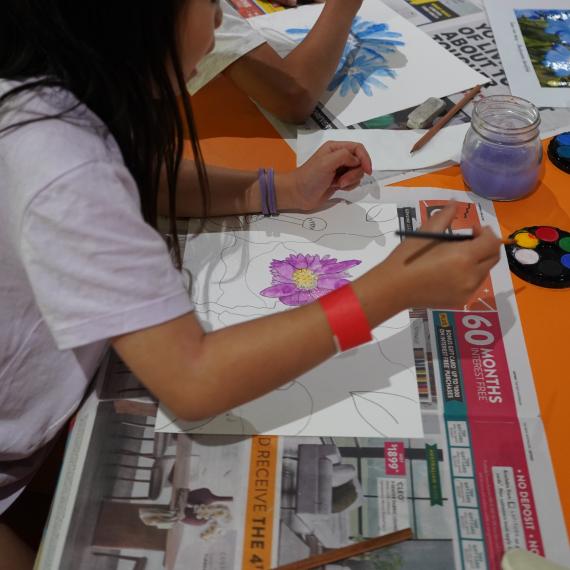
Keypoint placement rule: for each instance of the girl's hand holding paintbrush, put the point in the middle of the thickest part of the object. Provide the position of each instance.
(440, 274)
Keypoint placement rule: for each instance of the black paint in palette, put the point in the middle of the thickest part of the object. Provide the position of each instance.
(541, 256)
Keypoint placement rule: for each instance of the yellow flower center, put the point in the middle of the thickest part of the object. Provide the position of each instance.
(305, 278)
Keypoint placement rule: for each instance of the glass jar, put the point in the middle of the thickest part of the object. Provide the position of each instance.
(502, 152)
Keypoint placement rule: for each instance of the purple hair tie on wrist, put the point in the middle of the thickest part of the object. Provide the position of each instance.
(271, 192)
(263, 190)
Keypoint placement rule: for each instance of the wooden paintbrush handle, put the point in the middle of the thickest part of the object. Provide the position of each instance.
(349, 551)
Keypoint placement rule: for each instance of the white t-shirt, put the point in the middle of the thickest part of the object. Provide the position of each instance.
(234, 38)
(78, 266)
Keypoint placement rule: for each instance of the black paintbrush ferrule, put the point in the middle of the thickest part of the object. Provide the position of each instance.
(434, 235)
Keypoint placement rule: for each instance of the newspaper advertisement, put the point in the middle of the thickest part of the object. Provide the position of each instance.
(422, 12)
(479, 483)
(470, 490)
(419, 12)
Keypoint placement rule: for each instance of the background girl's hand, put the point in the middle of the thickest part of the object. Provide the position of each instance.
(436, 274)
(335, 166)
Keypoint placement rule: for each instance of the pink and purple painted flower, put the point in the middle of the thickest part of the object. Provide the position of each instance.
(300, 279)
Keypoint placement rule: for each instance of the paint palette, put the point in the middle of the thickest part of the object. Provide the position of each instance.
(559, 151)
(541, 256)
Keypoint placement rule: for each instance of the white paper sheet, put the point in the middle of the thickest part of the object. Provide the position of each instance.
(388, 65)
(367, 392)
(389, 150)
(533, 37)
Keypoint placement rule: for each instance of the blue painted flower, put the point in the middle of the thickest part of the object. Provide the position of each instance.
(559, 27)
(558, 61)
(363, 73)
(374, 39)
(364, 59)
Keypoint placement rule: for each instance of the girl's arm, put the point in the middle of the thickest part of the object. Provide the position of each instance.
(290, 87)
(198, 374)
(336, 165)
(231, 192)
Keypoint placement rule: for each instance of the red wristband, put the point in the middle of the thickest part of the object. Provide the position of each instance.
(346, 318)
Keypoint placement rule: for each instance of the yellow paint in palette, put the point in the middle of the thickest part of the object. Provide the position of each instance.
(526, 240)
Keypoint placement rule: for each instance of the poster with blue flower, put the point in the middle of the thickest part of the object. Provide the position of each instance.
(546, 35)
(533, 37)
(387, 65)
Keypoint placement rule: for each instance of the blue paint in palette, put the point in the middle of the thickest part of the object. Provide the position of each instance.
(559, 152)
(563, 139)
(564, 151)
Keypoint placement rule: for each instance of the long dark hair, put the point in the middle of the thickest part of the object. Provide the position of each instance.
(112, 56)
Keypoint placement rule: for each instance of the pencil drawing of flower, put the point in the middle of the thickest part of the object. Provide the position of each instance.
(300, 279)
(364, 59)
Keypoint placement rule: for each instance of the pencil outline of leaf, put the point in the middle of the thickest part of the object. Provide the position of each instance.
(368, 398)
(373, 213)
(176, 420)
(309, 416)
(199, 424)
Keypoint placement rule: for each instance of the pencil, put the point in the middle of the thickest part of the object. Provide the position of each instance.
(445, 236)
(446, 118)
(338, 554)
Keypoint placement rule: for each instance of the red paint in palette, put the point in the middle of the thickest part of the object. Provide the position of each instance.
(547, 233)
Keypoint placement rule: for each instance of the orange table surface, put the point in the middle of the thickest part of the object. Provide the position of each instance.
(235, 134)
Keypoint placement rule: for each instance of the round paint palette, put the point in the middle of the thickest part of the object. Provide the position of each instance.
(559, 151)
(541, 255)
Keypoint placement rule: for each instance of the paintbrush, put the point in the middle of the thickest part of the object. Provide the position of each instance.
(446, 118)
(338, 554)
(445, 236)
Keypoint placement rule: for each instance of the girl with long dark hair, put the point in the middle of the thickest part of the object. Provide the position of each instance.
(93, 115)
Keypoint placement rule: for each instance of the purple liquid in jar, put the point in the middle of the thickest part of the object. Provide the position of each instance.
(502, 153)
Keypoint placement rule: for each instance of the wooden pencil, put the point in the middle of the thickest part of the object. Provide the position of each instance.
(446, 118)
(445, 236)
(356, 549)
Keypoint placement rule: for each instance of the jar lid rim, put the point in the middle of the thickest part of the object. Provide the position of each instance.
(533, 114)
